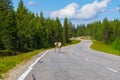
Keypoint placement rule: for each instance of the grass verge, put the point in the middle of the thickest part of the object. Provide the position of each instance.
(8, 62)
(97, 45)
(72, 42)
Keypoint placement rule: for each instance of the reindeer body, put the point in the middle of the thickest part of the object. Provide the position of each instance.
(58, 45)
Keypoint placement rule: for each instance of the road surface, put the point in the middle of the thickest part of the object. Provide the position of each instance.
(76, 62)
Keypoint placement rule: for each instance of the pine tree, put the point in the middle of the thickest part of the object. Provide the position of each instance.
(3, 13)
(58, 30)
(43, 31)
(65, 31)
(11, 31)
(106, 30)
(8, 24)
(21, 18)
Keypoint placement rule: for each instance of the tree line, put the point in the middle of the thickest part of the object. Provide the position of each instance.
(105, 31)
(22, 30)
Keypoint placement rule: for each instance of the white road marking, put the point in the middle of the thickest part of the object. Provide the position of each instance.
(113, 70)
(22, 77)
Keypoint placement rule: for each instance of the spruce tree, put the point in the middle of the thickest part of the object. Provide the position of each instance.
(58, 30)
(21, 18)
(7, 25)
(65, 31)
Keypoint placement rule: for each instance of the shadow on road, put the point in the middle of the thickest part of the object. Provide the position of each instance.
(33, 76)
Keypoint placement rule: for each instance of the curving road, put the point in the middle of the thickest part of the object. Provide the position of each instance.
(76, 62)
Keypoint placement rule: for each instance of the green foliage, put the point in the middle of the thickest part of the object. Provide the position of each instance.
(22, 20)
(7, 25)
(66, 35)
(106, 31)
(100, 46)
(23, 31)
(7, 53)
(58, 29)
(116, 44)
(8, 62)
(80, 30)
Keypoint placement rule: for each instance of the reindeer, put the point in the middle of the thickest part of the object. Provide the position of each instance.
(58, 45)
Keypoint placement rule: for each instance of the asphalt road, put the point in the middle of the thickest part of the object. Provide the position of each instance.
(76, 62)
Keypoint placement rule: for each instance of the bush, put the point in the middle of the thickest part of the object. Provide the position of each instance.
(116, 44)
(7, 53)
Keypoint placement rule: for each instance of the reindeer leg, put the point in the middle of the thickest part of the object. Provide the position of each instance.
(55, 49)
(59, 49)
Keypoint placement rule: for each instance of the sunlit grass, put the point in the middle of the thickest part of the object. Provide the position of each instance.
(72, 42)
(100, 46)
(7, 63)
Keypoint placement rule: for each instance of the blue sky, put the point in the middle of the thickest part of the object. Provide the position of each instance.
(78, 11)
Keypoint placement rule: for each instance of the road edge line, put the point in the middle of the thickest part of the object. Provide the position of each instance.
(113, 70)
(22, 77)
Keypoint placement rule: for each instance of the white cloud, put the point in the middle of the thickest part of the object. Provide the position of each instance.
(68, 11)
(32, 3)
(87, 11)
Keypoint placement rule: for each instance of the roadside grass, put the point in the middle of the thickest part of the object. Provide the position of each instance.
(9, 62)
(75, 41)
(100, 46)
(72, 42)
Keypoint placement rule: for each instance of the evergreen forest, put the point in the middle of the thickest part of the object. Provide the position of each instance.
(23, 30)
